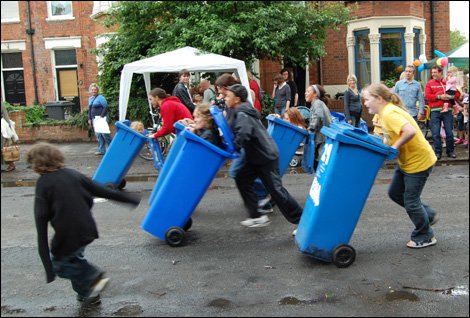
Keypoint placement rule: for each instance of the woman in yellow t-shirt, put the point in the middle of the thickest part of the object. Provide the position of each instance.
(415, 161)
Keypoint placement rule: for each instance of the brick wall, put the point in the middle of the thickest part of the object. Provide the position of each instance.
(28, 133)
(82, 26)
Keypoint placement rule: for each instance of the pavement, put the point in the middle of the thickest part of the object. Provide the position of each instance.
(81, 156)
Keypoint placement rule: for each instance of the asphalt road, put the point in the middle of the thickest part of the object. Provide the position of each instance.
(225, 269)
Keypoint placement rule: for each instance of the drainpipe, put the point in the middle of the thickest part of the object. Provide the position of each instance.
(319, 59)
(433, 46)
(30, 31)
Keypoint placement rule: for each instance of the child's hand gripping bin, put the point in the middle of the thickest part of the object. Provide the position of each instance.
(287, 137)
(339, 192)
(192, 161)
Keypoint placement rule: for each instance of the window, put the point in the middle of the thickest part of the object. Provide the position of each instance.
(362, 53)
(65, 57)
(10, 12)
(392, 54)
(13, 78)
(59, 10)
(67, 74)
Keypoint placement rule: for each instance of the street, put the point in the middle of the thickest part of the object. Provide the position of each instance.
(224, 269)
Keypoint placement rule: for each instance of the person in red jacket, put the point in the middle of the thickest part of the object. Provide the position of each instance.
(436, 96)
(171, 110)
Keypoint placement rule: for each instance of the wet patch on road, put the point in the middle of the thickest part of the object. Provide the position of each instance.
(129, 310)
(11, 311)
(325, 298)
(398, 295)
(220, 303)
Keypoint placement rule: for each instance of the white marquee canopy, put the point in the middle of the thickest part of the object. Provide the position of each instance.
(194, 60)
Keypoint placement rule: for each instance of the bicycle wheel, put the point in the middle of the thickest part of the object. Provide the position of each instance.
(146, 152)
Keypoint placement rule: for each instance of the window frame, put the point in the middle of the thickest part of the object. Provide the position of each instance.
(402, 58)
(357, 61)
(51, 17)
(14, 19)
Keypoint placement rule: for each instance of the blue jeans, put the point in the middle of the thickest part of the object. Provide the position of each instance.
(448, 120)
(103, 139)
(258, 186)
(405, 190)
(76, 268)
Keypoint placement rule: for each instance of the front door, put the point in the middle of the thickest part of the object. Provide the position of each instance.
(14, 87)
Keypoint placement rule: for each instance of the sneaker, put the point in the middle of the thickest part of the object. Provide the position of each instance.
(294, 233)
(452, 155)
(98, 287)
(413, 244)
(99, 153)
(459, 141)
(256, 222)
(438, 156)
(264, 201)
(90, 301)
(264, 210)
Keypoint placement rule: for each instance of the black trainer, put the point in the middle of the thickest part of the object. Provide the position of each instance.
(451, 155)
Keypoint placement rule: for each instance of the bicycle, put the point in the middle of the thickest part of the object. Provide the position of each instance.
(164, 142)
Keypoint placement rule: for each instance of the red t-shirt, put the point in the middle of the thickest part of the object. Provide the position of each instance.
(255, 87)
(171, 111)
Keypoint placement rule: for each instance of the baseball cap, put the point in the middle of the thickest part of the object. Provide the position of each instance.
(239, 91)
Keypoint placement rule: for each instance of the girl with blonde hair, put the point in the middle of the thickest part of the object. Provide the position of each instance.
(415, 161)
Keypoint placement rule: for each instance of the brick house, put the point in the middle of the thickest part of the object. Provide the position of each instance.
(47, 47)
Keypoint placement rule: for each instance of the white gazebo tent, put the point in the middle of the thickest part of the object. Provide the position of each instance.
(189, 58)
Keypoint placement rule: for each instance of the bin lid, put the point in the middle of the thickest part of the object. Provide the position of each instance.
(367, 140)
(286, 124)
(59, 103)
(224, 129)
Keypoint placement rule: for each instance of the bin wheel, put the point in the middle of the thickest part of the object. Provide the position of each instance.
(188, 224)
(122, 184)
(344, 255)
(174, 236)
(110, 185)
(294, 162)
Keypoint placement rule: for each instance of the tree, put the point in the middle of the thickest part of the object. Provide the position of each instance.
(245, 30)
(457, 39)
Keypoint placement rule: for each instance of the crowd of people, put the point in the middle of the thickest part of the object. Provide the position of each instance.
(397, 115)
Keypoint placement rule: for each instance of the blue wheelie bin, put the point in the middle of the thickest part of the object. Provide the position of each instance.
(175, 149)
(345, 175)
(341, 118)
(119, 157)
(287, 137)
(188, 171)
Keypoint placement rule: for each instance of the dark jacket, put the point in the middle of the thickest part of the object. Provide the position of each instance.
(181, 92)
(251, 135)
(64, 198)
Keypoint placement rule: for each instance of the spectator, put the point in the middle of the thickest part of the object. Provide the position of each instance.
(255, 88)
(97, 107)
(436, 96)
(377, 126)
(288, 78)
(415, 161)
(410, 93)
(182, 91)
(64, 198)
(281, 95)
(171, 110)
(8, 134)
(206, 91)
(352, 102)
(319, 116)
(262, 160)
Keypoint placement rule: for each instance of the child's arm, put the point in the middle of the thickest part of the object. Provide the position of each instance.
(41, 219)
(407, 133)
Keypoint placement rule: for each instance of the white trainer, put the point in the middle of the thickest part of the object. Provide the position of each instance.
(256, 222)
